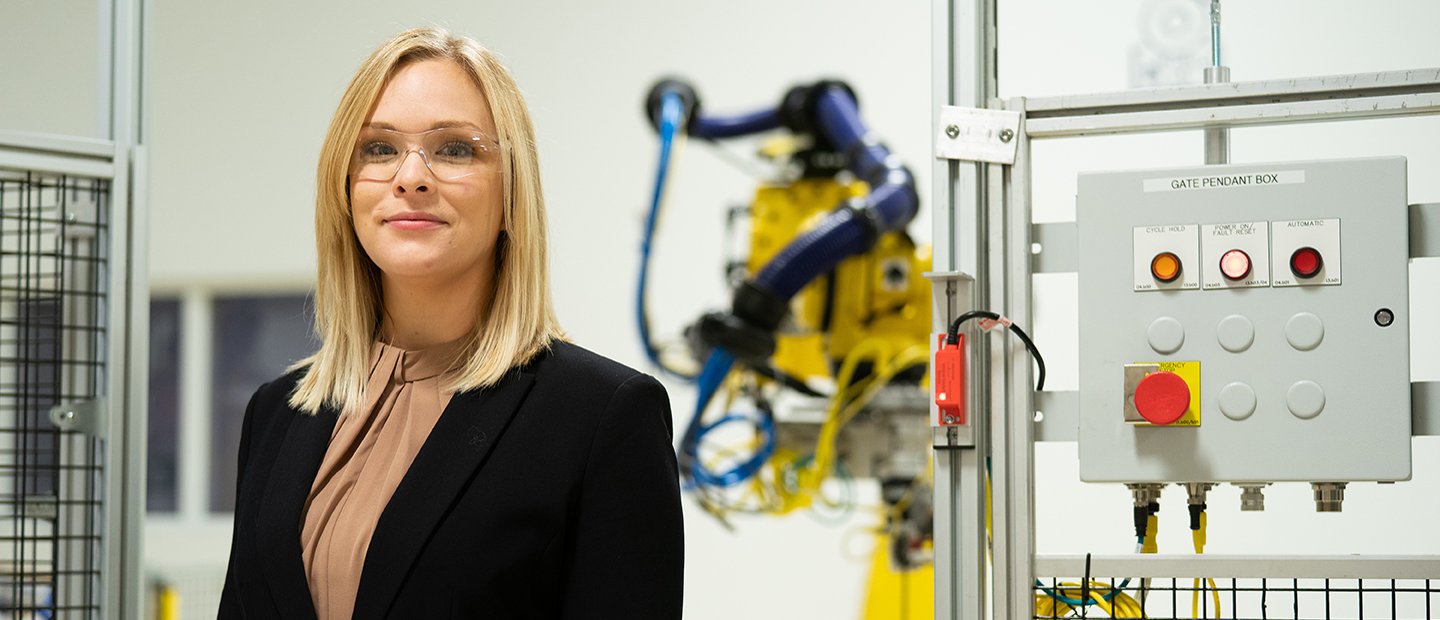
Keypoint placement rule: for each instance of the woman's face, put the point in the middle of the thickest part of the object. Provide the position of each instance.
(435, 224)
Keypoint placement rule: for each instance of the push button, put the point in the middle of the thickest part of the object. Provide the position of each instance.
(1162, 398)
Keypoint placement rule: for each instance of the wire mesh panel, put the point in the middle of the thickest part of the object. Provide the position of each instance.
(53, 244)
(1409, 595)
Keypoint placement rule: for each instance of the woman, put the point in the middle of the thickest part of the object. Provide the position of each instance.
(446, 454)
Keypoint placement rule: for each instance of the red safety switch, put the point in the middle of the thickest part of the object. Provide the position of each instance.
(1162, 397)
(949, 380)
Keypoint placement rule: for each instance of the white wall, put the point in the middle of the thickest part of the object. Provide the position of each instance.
(241, 92)
(50, 67)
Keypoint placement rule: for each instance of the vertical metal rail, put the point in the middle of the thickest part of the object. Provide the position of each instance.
(1012, 386)
(129, 317)
(963, 72)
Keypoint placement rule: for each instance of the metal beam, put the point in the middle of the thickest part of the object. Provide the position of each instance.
(56, 164)
(51, 144)
(1241, 566)
(963, 72)
(1103, 123)
(1346, 86)
(128, 296)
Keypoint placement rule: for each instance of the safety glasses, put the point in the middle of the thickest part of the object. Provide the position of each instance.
(449, 152)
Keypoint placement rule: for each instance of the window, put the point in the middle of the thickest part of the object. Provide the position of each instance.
(162, 441)
(254, 340)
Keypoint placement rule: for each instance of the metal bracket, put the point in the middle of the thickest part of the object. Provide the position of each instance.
(86, 417)
(1133, 374)
(1425, 408)
(81, 212)
(1059, 248)
(1425, 230)
(978, 134)
(953, 437)
(1058, 416)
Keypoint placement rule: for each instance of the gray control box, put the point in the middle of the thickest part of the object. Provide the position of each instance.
(1245, 323)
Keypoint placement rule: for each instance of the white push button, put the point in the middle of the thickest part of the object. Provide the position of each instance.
(1304, 331)
(1235, 333)
(1237, 401)
(1166, 335)
(1305, 399)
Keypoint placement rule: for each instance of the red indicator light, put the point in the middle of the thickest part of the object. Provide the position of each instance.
(1235, 265)
(1306, 262)
(1162, 397)
(1165, 267)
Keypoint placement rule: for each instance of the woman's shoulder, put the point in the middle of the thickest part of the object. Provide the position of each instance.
(578, 367)
(276, 392)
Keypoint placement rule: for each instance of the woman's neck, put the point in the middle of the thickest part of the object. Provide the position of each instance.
(419, 315)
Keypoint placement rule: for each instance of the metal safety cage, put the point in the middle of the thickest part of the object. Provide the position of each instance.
(72, 409)
(982, 227)
(1253, 587)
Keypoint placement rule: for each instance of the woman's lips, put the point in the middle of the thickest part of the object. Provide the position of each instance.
(414, 221)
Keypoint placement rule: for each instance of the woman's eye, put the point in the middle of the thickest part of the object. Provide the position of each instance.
(456, 151)
(378, 150)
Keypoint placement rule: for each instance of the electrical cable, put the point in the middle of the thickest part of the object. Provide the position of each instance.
(952, 337)
(671, 116)
(1069, 597)
(717, 367)
(851, 397)
(1197, 535)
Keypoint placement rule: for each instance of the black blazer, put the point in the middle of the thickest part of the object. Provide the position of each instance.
(551, 495)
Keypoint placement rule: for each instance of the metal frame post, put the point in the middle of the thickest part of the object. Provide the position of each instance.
(964, 30)
(129, 321)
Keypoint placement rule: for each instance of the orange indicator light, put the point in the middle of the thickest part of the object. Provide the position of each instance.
(1165, 266)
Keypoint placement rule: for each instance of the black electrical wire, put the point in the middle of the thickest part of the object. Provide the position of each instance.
(952, 336)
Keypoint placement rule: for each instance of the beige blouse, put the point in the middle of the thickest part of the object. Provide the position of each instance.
(370, 450)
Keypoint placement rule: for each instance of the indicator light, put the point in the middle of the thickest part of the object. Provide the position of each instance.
(1162, 398)
(1165, 267)
(1235, 265)
(1306, 262)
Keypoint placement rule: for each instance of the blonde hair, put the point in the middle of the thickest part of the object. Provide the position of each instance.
(519, 321)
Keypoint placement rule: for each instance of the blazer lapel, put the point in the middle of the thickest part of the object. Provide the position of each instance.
(278, 522)
(456, 448)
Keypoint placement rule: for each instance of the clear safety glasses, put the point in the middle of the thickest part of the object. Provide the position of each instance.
(450, 152)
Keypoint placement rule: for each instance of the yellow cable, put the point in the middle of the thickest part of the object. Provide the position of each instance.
(1120, 605)
(851, 397)
(1198, 537)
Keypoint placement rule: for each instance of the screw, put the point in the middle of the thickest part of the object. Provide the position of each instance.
(71, 218)
(1006, 135)
(67, 416)
(953, 131)
(1384, 317)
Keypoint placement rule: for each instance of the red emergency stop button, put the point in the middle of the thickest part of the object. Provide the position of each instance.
(1306, 262)
(1235, 265)
(1162, 397)
(1165, 267)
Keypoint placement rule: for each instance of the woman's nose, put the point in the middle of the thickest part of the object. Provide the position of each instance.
(414, 174)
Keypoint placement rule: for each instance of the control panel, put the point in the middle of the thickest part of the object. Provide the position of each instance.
(1245, 323)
